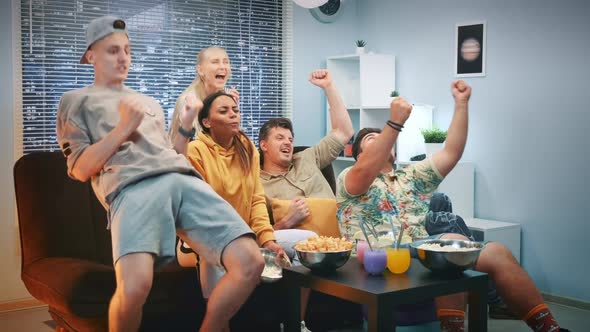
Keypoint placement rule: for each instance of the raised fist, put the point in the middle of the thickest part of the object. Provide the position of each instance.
(461, 91)
(399, 110)
(131, 112)
(321, 78)
(192, 107)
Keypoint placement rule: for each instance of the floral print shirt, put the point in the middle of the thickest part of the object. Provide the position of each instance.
(402, 197)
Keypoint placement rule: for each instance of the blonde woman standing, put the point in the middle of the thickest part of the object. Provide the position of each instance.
(213, 72)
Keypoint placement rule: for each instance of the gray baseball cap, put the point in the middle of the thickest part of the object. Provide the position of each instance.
(100, 28)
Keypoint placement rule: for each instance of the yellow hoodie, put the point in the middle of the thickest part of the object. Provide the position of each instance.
(221, 169)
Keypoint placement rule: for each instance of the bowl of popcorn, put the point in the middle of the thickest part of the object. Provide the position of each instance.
(447, 256)
(323, 253)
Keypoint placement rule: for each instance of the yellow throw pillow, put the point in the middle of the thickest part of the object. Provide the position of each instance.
(321, 219)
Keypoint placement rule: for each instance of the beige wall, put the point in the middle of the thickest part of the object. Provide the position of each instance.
(11, 287)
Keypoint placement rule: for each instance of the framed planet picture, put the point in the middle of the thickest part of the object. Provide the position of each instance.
(470, 49)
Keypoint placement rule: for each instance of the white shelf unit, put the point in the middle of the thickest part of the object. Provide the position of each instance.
(502, 232)
(365, 82)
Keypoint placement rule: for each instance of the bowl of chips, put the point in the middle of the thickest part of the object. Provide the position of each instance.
(323, 253)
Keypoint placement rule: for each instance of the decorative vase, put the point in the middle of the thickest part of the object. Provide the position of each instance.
(360, 50)
(432, 148)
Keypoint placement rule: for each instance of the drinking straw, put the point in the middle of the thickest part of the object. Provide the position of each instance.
(362, 224)
(399, 237)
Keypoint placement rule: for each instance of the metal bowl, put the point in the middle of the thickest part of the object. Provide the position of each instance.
(323, 261)
(448, 261)
(272, 270)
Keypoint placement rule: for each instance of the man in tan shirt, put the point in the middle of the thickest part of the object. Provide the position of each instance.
(297, 176)
(288, 176)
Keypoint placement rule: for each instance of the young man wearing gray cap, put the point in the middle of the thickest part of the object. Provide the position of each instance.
(116, 137)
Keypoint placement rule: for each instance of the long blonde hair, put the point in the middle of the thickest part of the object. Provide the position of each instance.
(197, 87)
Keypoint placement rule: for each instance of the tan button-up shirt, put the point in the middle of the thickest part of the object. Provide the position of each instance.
(305, 178)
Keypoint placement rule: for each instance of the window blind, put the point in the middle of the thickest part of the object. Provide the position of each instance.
(165, 36)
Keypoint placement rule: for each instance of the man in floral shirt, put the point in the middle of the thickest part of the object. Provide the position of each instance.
(373, 192)
(410, 188)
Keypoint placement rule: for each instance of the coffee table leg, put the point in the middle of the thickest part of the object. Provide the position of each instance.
(293, 323)
(380, 317)
(477, 299)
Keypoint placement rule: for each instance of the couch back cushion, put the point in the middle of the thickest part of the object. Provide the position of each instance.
(322, 215)
(58, 216)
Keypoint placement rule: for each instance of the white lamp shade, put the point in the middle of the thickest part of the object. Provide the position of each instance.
(310, 3)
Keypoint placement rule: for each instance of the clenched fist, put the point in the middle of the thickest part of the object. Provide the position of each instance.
(131, 112)
(399, 110)
(192, 107)
(321, 78)
(461, 91)
(298, 210)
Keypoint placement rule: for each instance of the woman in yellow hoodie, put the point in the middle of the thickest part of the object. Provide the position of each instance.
(228, 160)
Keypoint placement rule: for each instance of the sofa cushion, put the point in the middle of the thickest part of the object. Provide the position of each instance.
(87, 287)
(321, 219)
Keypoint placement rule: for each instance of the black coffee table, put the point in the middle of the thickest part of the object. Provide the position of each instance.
(382, 293)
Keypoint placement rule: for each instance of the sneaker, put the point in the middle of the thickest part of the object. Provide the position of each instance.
(185, 256)
(500, 311)
(304, 328)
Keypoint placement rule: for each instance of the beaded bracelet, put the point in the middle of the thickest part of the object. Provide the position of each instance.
(394, 126)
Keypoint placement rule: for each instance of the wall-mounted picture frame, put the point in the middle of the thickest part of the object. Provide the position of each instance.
(470, 49)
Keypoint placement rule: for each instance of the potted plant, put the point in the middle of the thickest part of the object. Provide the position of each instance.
(433, 139)
(360, 46)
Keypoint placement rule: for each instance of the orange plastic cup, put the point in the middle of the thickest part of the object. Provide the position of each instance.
(398, 260)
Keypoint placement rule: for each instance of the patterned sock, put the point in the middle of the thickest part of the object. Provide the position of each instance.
(540, 319)
(451, 320)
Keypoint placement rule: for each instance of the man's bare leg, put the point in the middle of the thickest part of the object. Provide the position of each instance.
(134, 273)
(512, 282)
(244, 265)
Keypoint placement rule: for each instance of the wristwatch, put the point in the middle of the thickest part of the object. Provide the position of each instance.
(188, 134)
